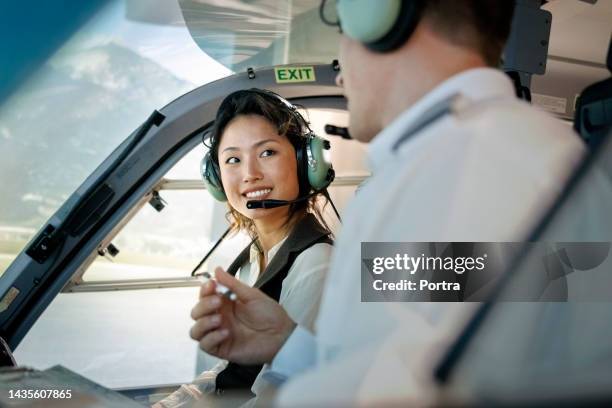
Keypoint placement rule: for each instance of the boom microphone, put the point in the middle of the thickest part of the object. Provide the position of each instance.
(337, 131)
(276, 203)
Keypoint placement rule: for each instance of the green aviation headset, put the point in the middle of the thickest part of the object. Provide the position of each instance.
(315, 172)
(381, 25)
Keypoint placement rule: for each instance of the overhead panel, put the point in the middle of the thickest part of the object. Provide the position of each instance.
(260, 33)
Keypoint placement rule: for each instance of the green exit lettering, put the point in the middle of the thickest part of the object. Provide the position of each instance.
(294, 74)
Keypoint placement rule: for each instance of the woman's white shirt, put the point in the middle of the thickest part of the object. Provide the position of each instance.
(300, 295)
(302, 287)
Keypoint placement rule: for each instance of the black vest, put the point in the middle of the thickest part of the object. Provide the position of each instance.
(307, 232)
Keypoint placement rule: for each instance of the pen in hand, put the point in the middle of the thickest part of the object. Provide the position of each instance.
(221, 289)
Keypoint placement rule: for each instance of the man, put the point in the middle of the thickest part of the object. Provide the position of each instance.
(454, 157)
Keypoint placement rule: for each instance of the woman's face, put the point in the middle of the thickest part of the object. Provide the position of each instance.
(257, 163)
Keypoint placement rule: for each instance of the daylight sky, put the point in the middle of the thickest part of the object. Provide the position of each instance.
(170, 46)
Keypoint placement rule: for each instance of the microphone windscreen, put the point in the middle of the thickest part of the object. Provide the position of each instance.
(254, 204)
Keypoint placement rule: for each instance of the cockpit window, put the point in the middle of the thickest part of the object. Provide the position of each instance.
(131, 58)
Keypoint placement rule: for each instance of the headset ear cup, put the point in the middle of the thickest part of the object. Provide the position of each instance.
(212, 180)
(320, 171)
(302, 169)
(382, 26)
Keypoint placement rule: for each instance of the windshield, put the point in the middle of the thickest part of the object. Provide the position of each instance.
(131, 58)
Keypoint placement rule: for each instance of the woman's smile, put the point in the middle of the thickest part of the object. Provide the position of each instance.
(258, 193)
(257, 164)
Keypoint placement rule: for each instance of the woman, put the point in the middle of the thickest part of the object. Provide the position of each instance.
(261, 148)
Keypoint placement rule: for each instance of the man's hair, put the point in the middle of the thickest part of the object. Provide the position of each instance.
(483, 25)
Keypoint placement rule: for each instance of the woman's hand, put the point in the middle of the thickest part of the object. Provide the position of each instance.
(249, 330)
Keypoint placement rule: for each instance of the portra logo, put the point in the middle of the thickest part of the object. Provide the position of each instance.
(413, 264)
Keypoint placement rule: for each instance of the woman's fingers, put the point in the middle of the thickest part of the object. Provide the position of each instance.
(211, 342)
(207, 289)
(242, 290)
(204, 325)
(207, 305)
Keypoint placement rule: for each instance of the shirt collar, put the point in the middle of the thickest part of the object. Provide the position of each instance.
(254, 252)
(475, 84)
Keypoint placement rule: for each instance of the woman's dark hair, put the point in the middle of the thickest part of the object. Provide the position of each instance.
(288, 122)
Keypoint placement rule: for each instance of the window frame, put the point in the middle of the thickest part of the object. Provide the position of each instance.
(37, 284)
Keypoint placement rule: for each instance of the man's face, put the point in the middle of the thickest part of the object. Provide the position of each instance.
(359, 80)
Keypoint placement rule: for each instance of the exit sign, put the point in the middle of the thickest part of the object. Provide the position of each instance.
(294, 74)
